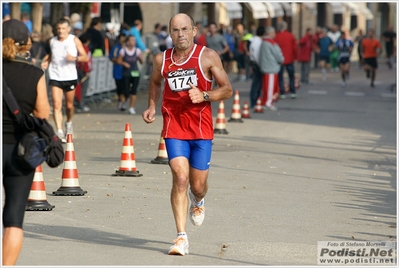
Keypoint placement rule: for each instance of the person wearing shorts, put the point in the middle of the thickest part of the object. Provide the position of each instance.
(371, 48)
(129, 56)
(324, 46)
(344, 47)
(65, 50)
(187, 71)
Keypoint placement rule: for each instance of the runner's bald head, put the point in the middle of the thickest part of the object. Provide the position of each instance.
(181, 16)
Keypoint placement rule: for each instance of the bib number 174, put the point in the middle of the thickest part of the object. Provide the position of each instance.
(181, 82)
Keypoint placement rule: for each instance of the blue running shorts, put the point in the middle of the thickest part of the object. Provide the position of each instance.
(198, 152)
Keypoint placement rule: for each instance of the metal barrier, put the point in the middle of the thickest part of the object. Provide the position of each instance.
(101, 82)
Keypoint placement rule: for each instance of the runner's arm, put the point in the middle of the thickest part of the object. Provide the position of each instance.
(213, 67)
(154, 89)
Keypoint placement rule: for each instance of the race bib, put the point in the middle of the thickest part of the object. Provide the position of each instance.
(179, 80)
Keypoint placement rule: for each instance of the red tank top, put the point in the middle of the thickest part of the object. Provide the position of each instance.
(181, 118)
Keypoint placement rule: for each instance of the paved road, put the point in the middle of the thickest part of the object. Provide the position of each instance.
(321, 168)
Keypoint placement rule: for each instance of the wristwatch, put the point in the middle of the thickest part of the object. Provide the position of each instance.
(206, 96)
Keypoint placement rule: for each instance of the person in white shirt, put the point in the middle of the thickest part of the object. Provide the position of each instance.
(65, 51)
(254, 54)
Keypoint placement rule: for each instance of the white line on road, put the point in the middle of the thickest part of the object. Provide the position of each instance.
(355, 94)
(388, 95)
(318, 92)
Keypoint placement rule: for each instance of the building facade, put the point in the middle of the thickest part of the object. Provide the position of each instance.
(350, 16)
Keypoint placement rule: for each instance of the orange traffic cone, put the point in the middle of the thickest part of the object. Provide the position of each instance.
(37, 199)
(162, 157)
(70, 178)
(245, 111)
(128, 161)
(258, 106)
(220, 127)
(236, 111)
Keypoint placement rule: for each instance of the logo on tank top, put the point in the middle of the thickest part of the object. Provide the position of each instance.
(179, 79)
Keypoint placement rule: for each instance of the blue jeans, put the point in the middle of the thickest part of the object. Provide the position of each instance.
(291, 74)
(256, 85)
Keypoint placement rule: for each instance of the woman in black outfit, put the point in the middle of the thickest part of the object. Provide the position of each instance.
(27, 83)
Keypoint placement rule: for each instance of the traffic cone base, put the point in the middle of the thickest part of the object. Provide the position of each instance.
(70, 179)
(220, 127)
(37, 199)
(239, 120)
(220, 131)
(69, 191)
(38, 205)
(160, 160)
(127, 173)
(162, 157)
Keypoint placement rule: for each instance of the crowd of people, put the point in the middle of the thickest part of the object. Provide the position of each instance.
(331, 49)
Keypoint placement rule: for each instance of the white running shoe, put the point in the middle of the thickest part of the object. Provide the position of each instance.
(180, 247)
(132, 110)
(271, 108)
(197, 213)
(60, 134)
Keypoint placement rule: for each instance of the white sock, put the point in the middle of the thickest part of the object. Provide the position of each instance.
(182, 234)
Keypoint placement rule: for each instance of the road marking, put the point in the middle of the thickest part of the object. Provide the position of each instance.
(388, 95)
(355, 94)
(318, 92)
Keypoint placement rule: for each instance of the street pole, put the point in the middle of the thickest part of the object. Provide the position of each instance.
(121, 12)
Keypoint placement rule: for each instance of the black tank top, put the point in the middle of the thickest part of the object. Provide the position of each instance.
(22, 78)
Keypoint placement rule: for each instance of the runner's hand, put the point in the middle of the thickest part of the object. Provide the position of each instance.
(195, 94)
(148, 116)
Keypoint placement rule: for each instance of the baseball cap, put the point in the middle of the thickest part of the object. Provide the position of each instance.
(16, 30)
(78, 25)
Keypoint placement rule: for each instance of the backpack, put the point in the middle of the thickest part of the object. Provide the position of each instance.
(39, 143)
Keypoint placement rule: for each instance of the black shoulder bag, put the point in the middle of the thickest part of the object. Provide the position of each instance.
(39, 143)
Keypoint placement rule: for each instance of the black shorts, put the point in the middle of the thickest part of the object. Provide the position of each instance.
(326, 59)
(64, 85)
(343, 60)
(371, 62)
